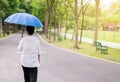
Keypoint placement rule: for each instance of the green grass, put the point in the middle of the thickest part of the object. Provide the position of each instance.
(109, 36)
(88, 49)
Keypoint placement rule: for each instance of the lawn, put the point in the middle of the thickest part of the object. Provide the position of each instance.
(109, 36)
(88, 49)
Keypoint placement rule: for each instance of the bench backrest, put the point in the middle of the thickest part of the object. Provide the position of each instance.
(98, 44)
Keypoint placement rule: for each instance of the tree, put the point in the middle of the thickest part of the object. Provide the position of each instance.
(38, 9)
(48, 18)
(3, 10)
(66, 13)
(89, 12)
(25, 6)
(13, 6)
(83, 10)
(76, 16)
(66, 26)
(55, 3)
(112, 13)
(76, 24)
(96, 21)
(61, 12)
(47, 13)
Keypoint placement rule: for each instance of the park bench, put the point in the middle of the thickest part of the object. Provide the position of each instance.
(59, 38)
(100, 47)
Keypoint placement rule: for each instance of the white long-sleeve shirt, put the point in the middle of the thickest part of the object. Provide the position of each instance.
(30, 48)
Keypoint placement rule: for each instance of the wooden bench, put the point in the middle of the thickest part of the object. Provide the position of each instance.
(100, 47)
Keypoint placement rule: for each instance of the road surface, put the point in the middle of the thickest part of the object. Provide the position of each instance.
(57, 65)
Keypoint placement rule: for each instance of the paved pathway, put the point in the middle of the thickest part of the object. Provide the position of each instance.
(57, 65)
(109, 44)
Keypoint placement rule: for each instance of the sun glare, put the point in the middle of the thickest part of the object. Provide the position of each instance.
(104, 3)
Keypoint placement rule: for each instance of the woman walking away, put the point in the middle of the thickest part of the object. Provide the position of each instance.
(30, 50)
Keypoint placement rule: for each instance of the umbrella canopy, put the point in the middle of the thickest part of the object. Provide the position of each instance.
(24, 19)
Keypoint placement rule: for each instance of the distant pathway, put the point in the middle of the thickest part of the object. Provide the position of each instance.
(109, 44)
(57, 65)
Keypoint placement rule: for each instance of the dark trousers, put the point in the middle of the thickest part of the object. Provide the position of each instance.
(30, 74)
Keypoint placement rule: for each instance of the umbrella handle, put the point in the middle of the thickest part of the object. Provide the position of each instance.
(22, 31)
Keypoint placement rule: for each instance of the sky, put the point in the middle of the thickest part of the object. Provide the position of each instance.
(105, 3)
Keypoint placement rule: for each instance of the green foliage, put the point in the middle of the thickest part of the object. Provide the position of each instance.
(25, 6)
(89, 23)
(8, 7)
(3, 7)
(91, 11)
(112, 14)
(39, 7)
(22, 4)
(61, 8)
(12, 6)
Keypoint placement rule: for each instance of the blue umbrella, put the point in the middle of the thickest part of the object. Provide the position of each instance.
(24, 19)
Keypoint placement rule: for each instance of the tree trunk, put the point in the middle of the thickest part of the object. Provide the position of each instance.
(82, 28)
(61, 25)
(50, 25)
(73, 35)
(76, 25)
(46, 23)
(83, 10)
(55, 24)
(96, 22)
(58, 29)
(0, 26)
(66, 28)
(82, 25)
(5, 27)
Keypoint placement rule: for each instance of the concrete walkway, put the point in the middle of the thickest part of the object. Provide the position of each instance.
(109, 44)
(57, 65)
